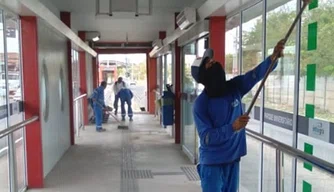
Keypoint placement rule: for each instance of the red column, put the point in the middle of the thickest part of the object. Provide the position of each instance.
(217, 38)
(66, 18)
(83, 78)
(177, 90)
(32, 106)
(152, 83)
(162, 35)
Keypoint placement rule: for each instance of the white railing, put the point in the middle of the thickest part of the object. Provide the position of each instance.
(78, 114)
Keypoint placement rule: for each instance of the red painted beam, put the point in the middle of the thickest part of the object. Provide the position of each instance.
(121, 51)
(34, 146)
(66, 18)
(217, 38)
(83, 77)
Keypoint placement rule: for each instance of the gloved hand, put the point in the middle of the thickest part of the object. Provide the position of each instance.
(278, 50)
(240, 122)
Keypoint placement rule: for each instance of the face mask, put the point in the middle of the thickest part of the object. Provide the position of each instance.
(214, 80)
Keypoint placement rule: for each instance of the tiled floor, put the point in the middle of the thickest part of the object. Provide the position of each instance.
(141, 159)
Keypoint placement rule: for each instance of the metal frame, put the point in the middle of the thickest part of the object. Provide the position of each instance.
(296, 98)
(296, 153)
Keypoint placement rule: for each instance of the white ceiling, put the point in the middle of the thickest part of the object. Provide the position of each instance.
(115, 28)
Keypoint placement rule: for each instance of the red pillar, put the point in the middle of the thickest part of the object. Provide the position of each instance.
(83, 78)
(32, 106)
(217, 38)
(177, 90)
(152, 83)
(66, 18)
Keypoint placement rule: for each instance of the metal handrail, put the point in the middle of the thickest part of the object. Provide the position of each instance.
(81, 96)
(18, 126)
(322, 164)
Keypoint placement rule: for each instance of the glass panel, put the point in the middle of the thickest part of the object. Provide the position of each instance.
(279, 89)
(75, 73)
(15, 92)
(315, 180)
(232, 48)
(252, 56)
(169, 69)
(4, 166)
(250, 166)
(316, 92)
(200, 52)
(188, 87)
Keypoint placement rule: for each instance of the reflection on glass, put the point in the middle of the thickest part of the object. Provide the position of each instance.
(232, 48)
(188, 87)
(75, 73)
(4, 169)
(15, 92)
(200, 52)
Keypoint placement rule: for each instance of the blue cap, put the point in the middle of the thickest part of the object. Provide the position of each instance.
(199, 62)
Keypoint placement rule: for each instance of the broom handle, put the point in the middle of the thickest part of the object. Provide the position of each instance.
(274, 58)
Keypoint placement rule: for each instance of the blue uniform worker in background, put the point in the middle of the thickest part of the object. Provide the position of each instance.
(99, 105)
(126, 95)
(220, 121)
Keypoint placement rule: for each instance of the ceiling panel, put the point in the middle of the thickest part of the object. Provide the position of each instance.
(115, 28)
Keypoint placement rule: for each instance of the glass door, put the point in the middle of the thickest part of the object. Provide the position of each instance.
(188, 91)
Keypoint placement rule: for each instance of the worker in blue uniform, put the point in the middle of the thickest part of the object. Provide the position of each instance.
(126, 95)
(220, 121)
(99, 105)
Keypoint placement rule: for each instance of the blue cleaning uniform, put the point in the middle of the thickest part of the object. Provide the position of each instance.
(126, 95)
(98, 105)
(220, 146)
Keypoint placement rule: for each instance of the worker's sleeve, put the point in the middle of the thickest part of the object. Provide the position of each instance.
(246, 82)
(211, 136)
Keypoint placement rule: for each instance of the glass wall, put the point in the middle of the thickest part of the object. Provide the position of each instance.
(15, 92)
(169, 77)
(4, 166)
(12, 147)
(316, 93)
(188, 90)
(302, 119)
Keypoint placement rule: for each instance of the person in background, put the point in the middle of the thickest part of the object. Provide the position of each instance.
(126, 95)
(118, 85)
(220, 122)
(99, 105)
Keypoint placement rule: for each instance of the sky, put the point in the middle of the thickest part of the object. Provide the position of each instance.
(132, 58)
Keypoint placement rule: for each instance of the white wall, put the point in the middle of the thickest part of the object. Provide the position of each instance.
(55, 130)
